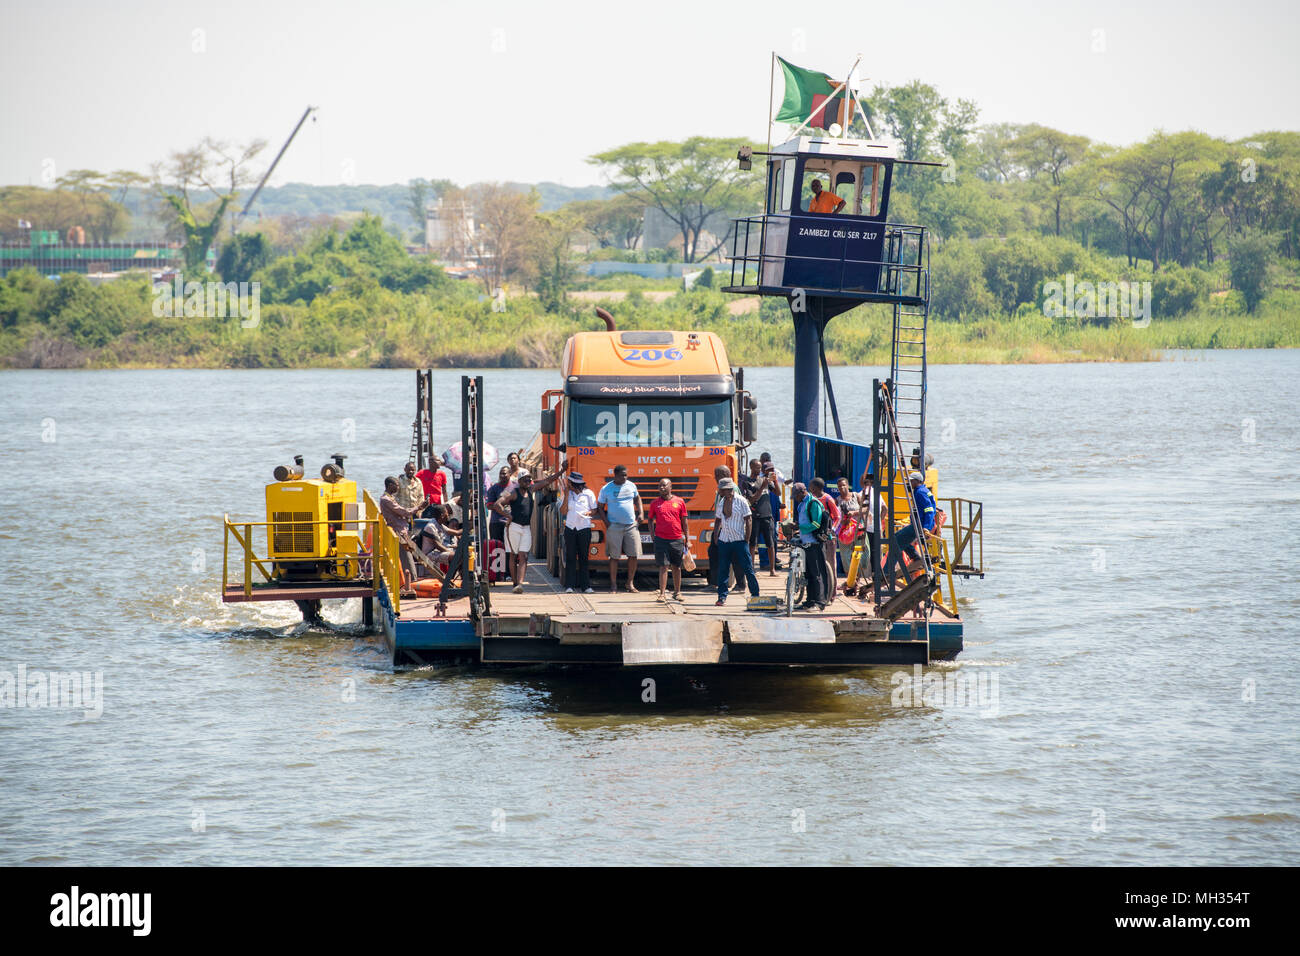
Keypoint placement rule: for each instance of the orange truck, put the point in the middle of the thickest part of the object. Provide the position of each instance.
(664, 404)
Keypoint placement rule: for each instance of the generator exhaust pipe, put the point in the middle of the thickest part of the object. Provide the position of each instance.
(289, 472)
(333, 472)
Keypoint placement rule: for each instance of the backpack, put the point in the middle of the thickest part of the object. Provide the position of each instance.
(824, 532)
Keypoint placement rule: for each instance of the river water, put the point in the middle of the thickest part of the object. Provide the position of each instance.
(1134, 644)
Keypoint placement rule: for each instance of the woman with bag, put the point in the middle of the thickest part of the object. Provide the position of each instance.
(849, 531)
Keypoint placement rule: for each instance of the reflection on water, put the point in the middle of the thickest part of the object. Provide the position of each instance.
(586, 697)
(1143, 679)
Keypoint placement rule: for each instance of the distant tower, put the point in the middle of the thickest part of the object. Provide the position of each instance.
(449, 230)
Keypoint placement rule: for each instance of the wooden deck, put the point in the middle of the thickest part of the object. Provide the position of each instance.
(544, 595)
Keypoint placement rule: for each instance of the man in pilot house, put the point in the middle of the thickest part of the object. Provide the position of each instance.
(824, 202)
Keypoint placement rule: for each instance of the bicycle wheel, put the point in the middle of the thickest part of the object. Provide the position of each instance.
(794, 581)
(790, 593)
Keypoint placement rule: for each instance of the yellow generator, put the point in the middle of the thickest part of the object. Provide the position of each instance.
(312, 531)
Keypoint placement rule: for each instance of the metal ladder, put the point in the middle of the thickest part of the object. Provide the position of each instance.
(907, 370)
(907, 362)
(422, 428)
(913, 593)
(469, 559)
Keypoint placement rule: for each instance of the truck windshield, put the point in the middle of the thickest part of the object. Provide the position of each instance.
(657, 424)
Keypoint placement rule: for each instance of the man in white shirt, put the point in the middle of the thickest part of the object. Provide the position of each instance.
(731, 526)
(578, 508)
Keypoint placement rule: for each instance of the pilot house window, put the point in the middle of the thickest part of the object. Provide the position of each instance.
(857, 184)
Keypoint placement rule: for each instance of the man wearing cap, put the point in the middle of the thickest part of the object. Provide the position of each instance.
(755, 488)
(905, 539)
(810, 516)
(578, 506)
(669, 527)
(720, 473)
(731, 527)
(517, 505)
(931, 472)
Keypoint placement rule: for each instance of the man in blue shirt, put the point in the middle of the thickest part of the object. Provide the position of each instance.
(809, 516)
(905, 539)
(620, 508)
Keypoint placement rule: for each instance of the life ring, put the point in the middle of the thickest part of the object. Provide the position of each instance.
(428, 587)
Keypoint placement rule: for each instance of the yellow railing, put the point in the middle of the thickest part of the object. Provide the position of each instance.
(939, 550)
(388, 555)
(242, 534)
(966, 522)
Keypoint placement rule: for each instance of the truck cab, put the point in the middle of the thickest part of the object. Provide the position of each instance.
(666, 404)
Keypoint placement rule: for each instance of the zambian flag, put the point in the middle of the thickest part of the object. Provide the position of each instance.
(808, 90)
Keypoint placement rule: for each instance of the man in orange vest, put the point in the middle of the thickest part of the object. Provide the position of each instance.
(824, 202)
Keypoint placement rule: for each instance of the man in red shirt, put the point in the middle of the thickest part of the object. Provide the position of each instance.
(668, 519)
(434, 480)
(817, 488)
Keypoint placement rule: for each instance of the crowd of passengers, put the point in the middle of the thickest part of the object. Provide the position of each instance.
(826, 526)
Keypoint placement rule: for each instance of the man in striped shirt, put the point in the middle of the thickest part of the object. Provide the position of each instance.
(731, 526)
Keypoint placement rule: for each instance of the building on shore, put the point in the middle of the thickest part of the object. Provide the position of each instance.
(50, 254)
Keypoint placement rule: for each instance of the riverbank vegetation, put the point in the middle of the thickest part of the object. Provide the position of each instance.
(356, 300)
(1199, 236)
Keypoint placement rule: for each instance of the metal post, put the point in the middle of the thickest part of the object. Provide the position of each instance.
(807, 384)
(419, 419)
(876, 472)
(771, 84)
(248, 561)
(428, 415)
(890, 478)
(483, 601)
(830, 392)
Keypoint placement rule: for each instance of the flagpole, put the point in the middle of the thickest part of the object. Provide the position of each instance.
(857, 102)
(866, 122)
(846, 110)
(834, 93)
(771, 83)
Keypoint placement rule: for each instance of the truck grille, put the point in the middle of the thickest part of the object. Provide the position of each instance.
(684, 486)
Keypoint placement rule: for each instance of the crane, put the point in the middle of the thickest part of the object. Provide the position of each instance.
(275, 162)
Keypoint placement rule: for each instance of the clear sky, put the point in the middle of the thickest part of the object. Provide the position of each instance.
(526, 91)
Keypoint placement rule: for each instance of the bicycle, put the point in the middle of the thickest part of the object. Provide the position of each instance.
(796, 581)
